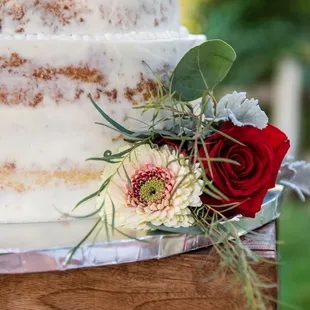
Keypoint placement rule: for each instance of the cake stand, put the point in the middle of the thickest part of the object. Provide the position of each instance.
(42, 247)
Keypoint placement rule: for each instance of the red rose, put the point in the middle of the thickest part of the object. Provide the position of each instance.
(260, 159)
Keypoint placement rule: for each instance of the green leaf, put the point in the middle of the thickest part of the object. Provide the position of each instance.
(113, 213)
(227, 136)
(128, 179)
(93, 195)
(69, 215)
(110, 161)
(74, 249)
(201, 69)
(131, 141)
(116, 125)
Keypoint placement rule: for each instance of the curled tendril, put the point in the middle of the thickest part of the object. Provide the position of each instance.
(107, 153)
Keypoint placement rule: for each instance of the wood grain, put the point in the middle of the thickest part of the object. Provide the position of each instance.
(179, 282)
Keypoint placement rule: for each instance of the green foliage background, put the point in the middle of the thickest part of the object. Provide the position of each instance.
(261, 31)
(294, 254)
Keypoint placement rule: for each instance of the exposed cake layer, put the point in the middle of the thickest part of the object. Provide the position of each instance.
(48, 122)
(42, 159)
(23, 180)
(56, 137)
(44, 87)
(36, 70)
(88, 17)
(43, 168)
(48, 201)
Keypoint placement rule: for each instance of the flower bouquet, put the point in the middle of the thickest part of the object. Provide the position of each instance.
(197, 163)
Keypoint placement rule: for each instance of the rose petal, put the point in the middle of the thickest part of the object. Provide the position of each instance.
(280, 145)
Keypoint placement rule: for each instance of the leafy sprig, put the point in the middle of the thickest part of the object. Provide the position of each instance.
(235, 255)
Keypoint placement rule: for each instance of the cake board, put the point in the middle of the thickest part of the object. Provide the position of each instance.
(186, 281)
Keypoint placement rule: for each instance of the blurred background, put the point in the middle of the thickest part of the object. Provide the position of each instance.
(272, 41)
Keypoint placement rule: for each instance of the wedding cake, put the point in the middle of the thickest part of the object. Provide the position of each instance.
(53, 54)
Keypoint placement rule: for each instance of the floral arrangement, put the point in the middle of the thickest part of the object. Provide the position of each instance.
(199, 162)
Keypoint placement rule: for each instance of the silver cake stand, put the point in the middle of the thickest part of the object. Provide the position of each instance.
(41, 247)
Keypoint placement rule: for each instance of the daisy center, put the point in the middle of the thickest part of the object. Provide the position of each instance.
(152, 190)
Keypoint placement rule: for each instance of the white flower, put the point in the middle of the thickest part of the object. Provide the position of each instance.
(151, 186)
(237, 108)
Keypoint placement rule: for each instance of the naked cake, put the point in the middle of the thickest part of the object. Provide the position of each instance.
(53, 53)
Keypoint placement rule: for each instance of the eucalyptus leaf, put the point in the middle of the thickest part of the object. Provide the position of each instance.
(201, 69)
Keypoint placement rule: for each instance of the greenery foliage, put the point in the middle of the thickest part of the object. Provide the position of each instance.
(202, 69)
(262, 31)
(294, 257)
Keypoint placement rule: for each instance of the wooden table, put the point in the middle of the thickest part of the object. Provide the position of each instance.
(174, 283)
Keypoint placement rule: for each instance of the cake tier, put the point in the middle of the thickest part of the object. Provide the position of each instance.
(48, 122)
(88, 17)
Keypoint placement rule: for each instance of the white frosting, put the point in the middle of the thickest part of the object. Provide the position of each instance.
(181, 32)
(114, 66)
(56, 137)
(59, 133)
(45, 204)
(88, 17)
